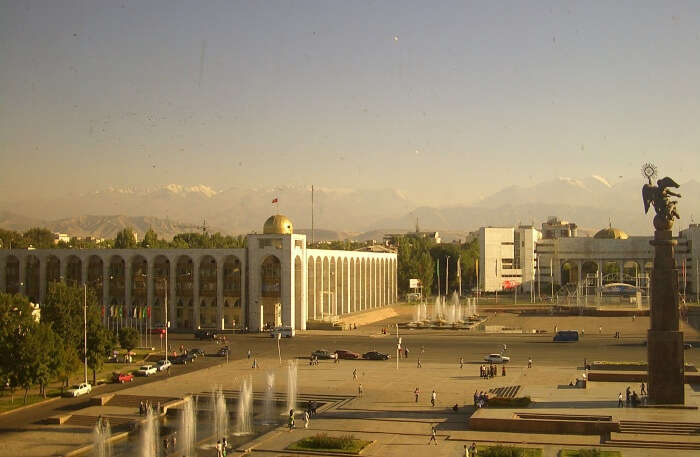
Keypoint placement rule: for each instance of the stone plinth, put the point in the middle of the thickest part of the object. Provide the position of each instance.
(664, 340)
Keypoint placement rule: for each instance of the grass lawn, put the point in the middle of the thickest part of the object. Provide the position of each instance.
(588, 453)
(323, 442)
(32, 398)
(508, 451)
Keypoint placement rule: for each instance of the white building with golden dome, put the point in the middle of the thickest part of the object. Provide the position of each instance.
(274, 280)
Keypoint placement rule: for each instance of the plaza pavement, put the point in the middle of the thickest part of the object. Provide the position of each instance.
(387, 413)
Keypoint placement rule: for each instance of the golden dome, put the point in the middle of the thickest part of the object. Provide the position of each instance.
(278, 225)
(611, 233)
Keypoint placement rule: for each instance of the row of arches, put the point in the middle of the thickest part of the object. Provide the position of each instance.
(200, 292)
(622, 271)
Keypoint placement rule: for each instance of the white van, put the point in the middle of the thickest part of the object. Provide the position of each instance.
(284, 332)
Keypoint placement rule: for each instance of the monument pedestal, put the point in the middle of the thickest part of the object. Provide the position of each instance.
(665, 358)
(666, 376)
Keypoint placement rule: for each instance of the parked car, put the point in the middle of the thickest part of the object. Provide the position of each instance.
(203, 334)
(179, 359)
(375, 355)
(146, 370)
(324, 354)
(568, 336)
(196, 352)
(122, 377)
(497, 358)
(222, 352)
(687, 346)
(284, 332)
(78, 390)
(164, 365)
(345, 354)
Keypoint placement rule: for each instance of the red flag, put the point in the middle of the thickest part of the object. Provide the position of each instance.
(149, 312)
(274, 200)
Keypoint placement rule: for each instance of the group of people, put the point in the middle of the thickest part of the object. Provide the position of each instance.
(221, 447)
(631, 397)
(144, 406)
(313, 360)
(169, 442)
(310, 409)
(490, 371)
(481, 399)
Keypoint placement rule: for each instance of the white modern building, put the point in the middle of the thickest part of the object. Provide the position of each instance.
(274, 280)
(534, 260)
(507, 257)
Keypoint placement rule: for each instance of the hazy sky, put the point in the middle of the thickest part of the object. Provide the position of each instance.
(444, 100)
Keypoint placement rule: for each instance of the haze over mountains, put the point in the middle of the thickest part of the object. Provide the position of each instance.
(340, 213)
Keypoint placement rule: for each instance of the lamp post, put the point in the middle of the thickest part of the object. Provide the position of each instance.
(85, 328)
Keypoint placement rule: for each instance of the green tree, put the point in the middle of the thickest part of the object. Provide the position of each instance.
(150, 240)
(125, 239)
(41, 356)
(40, 238)
(12, 239)
(414, 262)
(100, 343)
(128, 338)
(17, 322)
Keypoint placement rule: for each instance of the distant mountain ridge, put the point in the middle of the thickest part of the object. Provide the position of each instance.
(591, 202)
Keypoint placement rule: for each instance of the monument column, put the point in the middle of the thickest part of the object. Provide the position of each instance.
(172, 295)
(666, 376)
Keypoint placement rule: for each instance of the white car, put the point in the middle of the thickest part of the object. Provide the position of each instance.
(163, 365)
(146, 370)
(497, 358)
(78, 390)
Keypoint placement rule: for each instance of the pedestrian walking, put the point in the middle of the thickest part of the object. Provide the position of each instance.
(461, 363)
(218, 449)
(360, 391)
(529, 362)
(433, 436)
(628, 394)
(619, 400)
(250, 353)
(472, 449)
(416, 393)
(419, 364)
(354, 374)
(503, 371)
(255, 363)
(433, 397)
(642, 389)
(291, 421)
(466, 451)
(306, 419)
(405, 352)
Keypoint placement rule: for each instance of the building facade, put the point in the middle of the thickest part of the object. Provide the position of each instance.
(274, 280)
(560, 258)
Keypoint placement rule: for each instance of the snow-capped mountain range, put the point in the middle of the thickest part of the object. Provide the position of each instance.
(592, 202)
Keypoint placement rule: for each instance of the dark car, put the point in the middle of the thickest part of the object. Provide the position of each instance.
(323, 354)
(566, 336)
(183, 359)
(375, 355)
(205, 334)
(223, 352)
(345, 354)
(196, 352)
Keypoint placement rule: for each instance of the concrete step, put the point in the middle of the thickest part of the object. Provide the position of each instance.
(78, 420)
(132, 401)
(653, 427)
(652, 444)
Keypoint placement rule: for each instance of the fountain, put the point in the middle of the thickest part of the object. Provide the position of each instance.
(291, 385)
(268, 402)
(220, 411)
(187, 430)
(437, 312)
(150, 434)
(417, 313)
(101, 439)
(457, 308)
(244, 418)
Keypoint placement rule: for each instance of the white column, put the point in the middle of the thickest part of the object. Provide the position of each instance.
(172, 294)
(335, 289)
(105, 280)
(347, 286)
(127, 285)
(220, 293)
(22, 275)
(320, 295)
(195, 292)
(42, 279)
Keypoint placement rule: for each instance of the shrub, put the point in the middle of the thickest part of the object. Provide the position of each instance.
(325, 441)
(589, 453)
(518, 402)
(502, 451)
